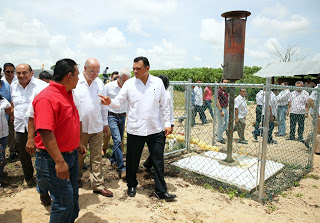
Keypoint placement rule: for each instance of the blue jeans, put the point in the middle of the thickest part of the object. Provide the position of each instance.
(3, 145)
(222, 123)
(64, 193)
(282, 112)
(207, 104)
(116, 125)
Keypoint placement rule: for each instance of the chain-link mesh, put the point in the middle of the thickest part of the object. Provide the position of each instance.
(231, 150)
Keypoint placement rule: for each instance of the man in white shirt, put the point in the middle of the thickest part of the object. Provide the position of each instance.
(147, 103)
(22, 92)
(259, 101)
(298, 110)
(273, 112)
(283, 100)
(198, 105)
(94, 117)
(9, 77)
(117, 120)
(241, 112)
(309, 83)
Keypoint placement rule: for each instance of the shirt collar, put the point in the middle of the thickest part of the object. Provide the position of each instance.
(82, 79)
(150, 79)
(60, 87)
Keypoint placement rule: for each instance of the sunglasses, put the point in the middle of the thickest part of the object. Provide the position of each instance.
(9, 71)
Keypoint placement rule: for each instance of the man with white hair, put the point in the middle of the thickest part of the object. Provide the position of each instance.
(116, 120)
(94, 117)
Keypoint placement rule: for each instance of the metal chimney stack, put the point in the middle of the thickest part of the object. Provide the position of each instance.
(235, 29)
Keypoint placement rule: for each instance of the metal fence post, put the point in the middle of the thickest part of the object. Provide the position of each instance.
(315, 121)
(265, 128)
(189, 116)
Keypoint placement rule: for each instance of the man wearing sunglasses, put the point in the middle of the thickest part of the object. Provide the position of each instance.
(9, 77)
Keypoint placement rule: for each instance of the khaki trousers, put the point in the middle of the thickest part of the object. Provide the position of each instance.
(96, 175)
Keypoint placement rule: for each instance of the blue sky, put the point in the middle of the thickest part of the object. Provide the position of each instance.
(171, 33)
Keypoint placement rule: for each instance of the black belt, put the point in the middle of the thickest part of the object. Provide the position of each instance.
(117, 115)
(45, 151)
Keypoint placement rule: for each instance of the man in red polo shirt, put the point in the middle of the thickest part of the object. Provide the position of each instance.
(223, 116)
(57, 121)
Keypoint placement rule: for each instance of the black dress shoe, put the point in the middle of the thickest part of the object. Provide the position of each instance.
(132, 191)
(166, 196)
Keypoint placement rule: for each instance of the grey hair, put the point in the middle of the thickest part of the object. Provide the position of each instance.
(125, 71)
(300, 82)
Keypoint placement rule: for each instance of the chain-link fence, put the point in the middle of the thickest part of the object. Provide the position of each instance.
(231, 150)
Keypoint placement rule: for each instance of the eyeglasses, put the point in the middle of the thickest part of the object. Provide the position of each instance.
(9, 71)
(93, 72)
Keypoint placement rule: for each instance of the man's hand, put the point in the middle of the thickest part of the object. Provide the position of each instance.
(106, 129)
(167, 131)
(31, 146)
(306, 114)
(62, 170)
(222, 114)
(82, 150)
(105, 100)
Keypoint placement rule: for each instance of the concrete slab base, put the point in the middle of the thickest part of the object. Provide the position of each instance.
(245, 174)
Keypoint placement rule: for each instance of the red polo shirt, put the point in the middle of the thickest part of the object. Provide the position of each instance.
(222, 97)
(55, 110)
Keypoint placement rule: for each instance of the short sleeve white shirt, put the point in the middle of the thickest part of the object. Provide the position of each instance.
(241, 104)
(298, 101)
(260, 97)
(283, 97)
(198, 93)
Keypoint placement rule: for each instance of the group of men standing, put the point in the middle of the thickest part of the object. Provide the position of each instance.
(72, 113)
(293, 104)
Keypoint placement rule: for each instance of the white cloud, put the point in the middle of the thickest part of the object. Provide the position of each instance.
(109, 39)
(135, 26)
(59, 49)
(17, 31)
(164, 56)
(277, 11)
(271, 44)
(199, 59)
(213, 32)
(146, 7)
(277, 21)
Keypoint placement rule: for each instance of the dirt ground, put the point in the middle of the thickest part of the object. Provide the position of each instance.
(194, 204)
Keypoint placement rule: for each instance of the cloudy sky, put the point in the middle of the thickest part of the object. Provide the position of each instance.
(171, 33)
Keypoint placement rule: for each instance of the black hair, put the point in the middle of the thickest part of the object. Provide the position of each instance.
(115, 72)
(62, 68)
(8, 65)
(45, 75)
(165, 81)
(144, 60)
